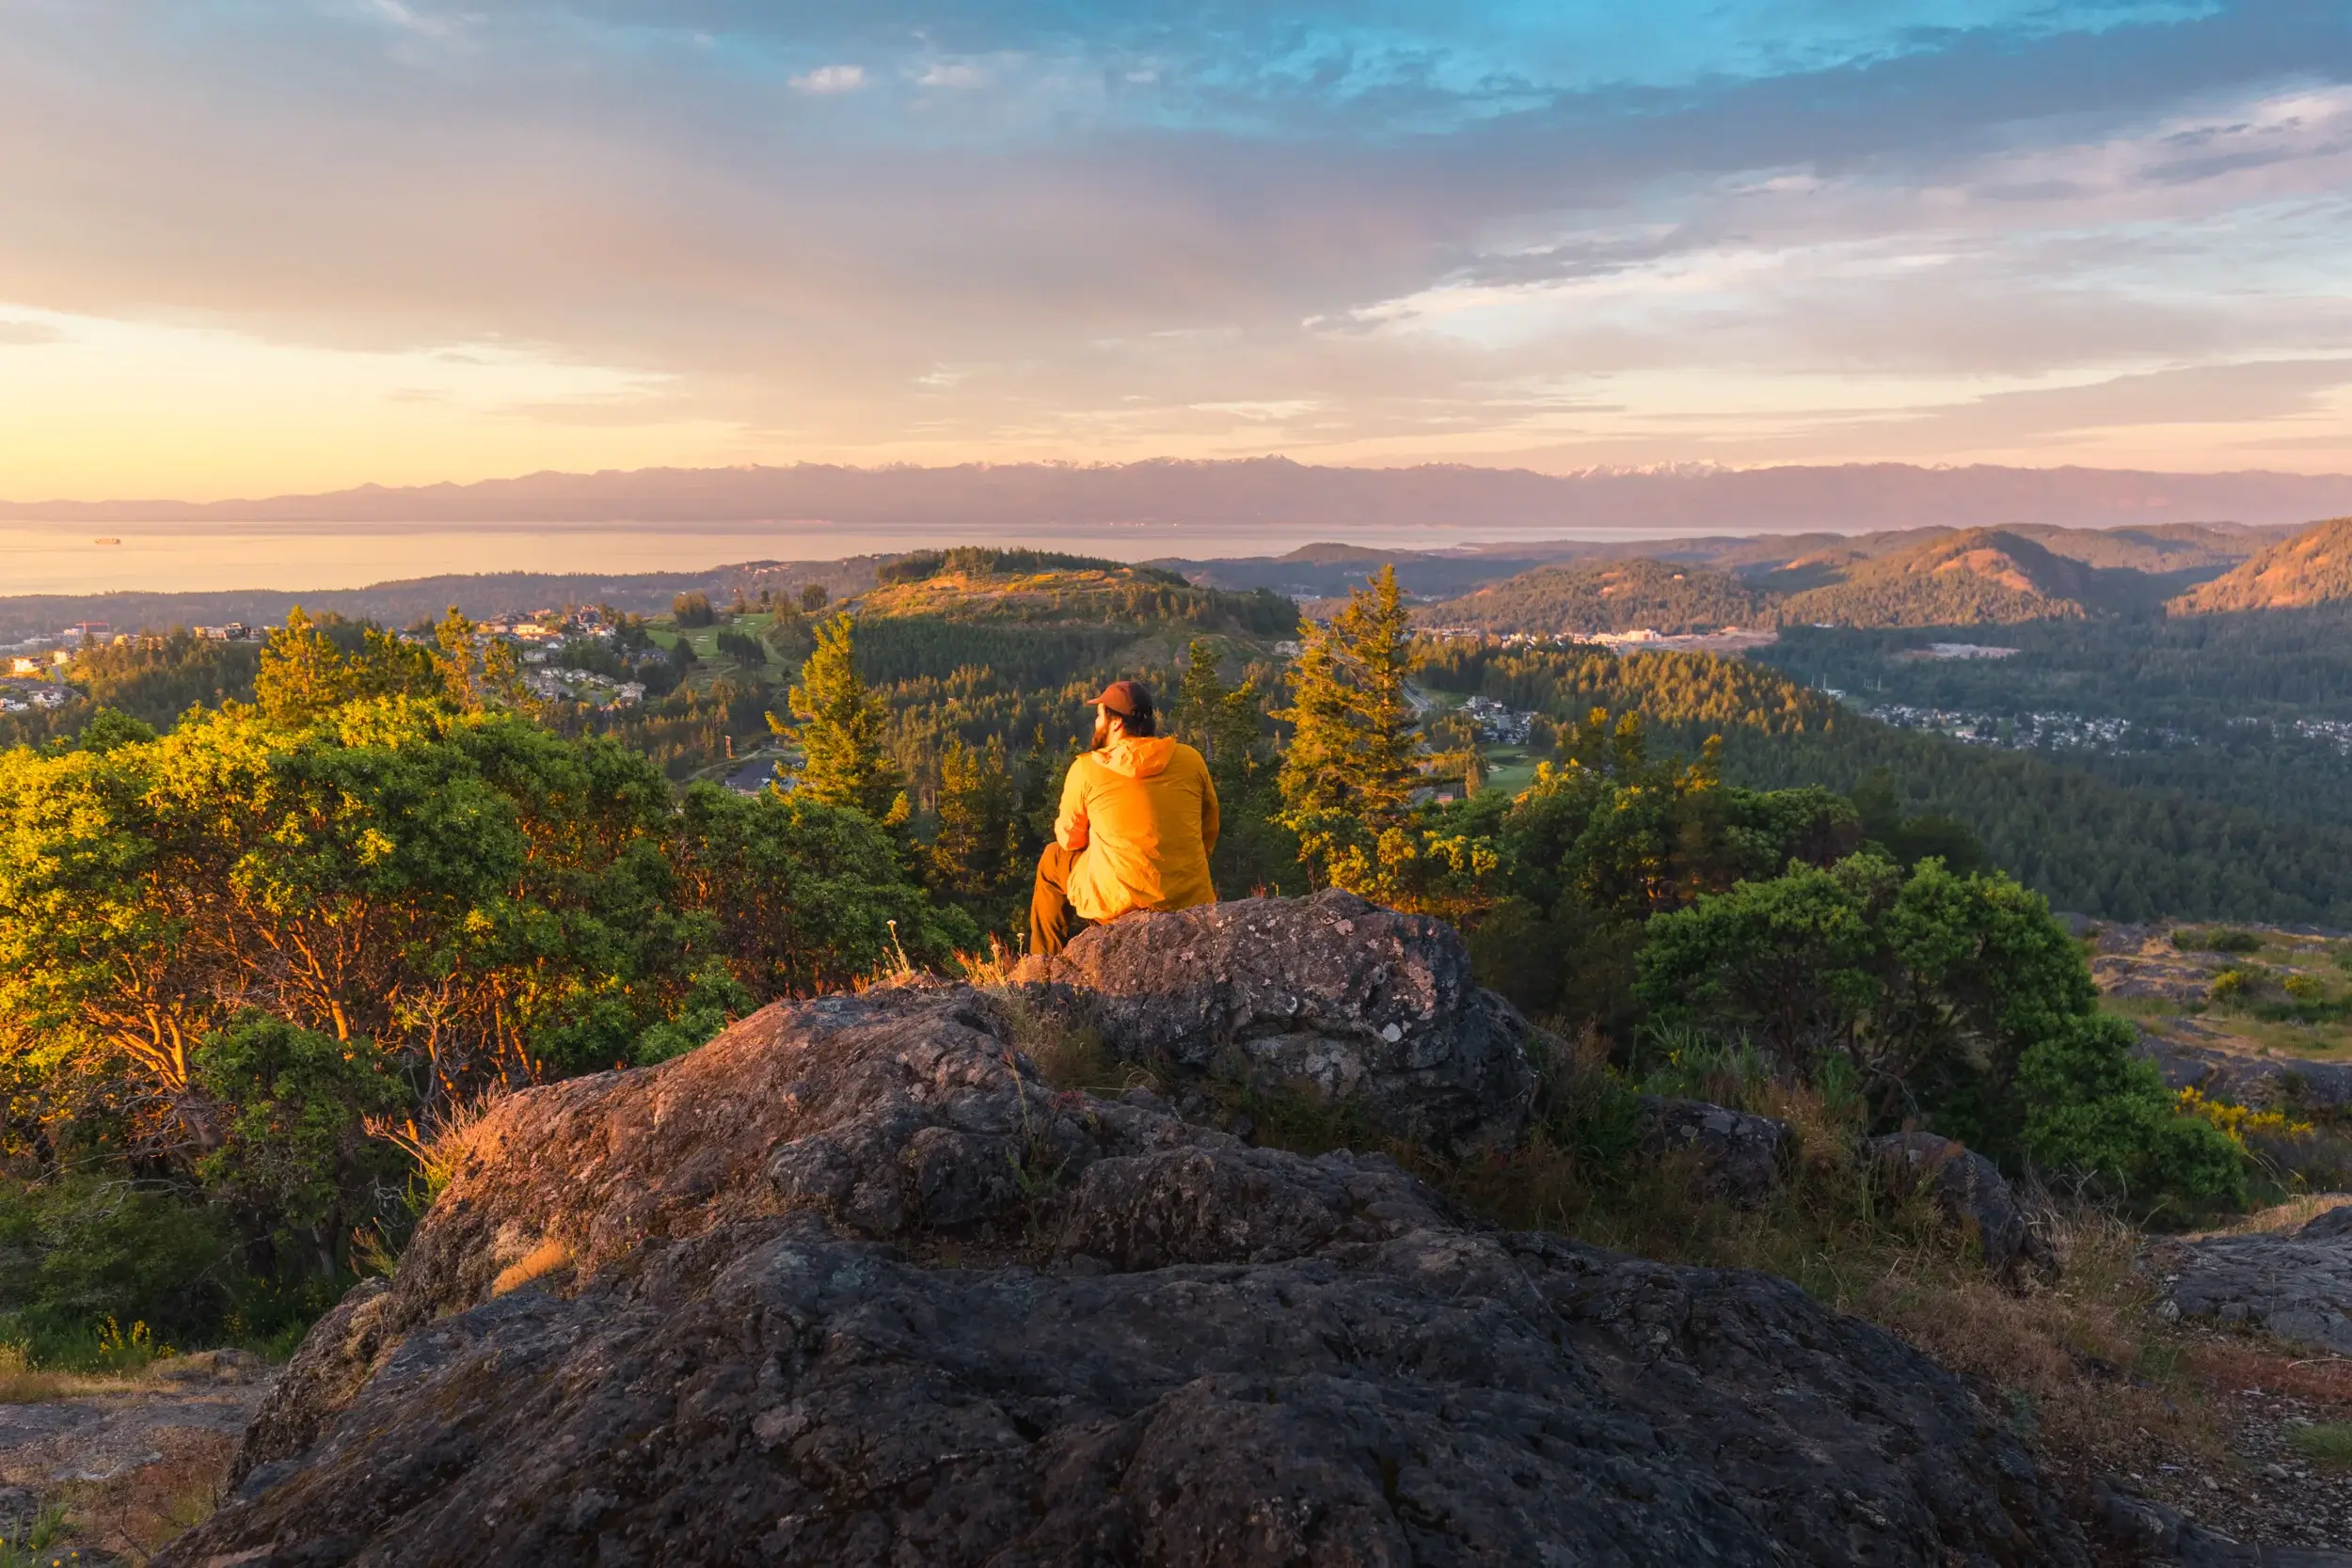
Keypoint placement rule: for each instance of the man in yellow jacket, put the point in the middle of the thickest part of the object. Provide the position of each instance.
(1138, 819)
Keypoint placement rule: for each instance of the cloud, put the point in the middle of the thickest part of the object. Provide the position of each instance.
(20, 334)
(1329, 227)
(829, 80)
(951, 74)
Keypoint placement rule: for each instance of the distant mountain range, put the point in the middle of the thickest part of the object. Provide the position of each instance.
(1454, 500)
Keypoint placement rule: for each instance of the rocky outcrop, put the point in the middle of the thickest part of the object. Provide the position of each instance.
(2278, 1082)
(1974, 1198)
(2147, 1534)
(1737, 1157)
(2296, 1285)
(1360, 1009)
(850, 1286)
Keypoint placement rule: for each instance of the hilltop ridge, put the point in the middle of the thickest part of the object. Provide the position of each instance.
(1979, 575)
(2312, 567)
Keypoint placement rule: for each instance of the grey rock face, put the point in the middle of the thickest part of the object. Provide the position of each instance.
(2298, 1286)
(2283, 1083)
(1229, 1356)
(1740, 1157)
(1330, 996)
(1971, 1194)
(2147, 1534)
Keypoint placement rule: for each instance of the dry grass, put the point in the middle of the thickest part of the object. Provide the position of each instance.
(991, 969)
(2086, 1369)
(2250, 1362)
(134, 1515)
(540, 1261)
(1067, 1055)
(21, 1385)
(2293, 1214)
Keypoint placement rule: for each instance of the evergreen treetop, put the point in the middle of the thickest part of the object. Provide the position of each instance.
(841, 730)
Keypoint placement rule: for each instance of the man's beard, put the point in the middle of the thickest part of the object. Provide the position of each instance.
(1102, 731)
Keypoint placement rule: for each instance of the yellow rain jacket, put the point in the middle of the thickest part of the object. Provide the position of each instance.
(1144, 814)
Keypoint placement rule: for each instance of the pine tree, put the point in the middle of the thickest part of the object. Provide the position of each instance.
(1254, 851)
(841, 729)
(1355, 748)
(453, 637)
(977, 847)
(302, 673)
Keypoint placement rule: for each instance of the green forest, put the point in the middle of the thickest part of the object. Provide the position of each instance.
(272, 914)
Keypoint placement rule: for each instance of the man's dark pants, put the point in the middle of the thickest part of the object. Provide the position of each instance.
(1049, 904)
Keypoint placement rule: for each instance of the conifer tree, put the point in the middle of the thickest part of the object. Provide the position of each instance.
(305, 671)
(1254, 851)
(978, 845)
(302, 673)
(1354, 747)
(841, 730)
(454, 639)
(1354, 762)
(1225, 722)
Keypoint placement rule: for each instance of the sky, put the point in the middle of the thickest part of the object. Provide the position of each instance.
(254, 246)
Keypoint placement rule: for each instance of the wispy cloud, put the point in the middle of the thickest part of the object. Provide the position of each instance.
(828, 80)
(1740, 230)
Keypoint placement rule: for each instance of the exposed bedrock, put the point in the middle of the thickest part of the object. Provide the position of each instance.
(2295, 1284)
(1353, 1006)
(850, 1285)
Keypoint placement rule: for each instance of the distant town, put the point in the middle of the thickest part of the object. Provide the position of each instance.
(34, 673)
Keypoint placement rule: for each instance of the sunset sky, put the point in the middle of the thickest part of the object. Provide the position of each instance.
(250, 246)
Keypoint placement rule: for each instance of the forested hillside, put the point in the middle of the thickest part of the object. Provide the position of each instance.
(2311, 568)
(1922, 579)
(1614, 595)
(1984, 574)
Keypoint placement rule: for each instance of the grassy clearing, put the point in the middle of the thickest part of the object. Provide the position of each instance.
(2150, 1008)
(2327, 1442)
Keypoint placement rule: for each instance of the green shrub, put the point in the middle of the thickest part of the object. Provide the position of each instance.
(1682, 1063)
(2191, 938)
(711, 1002)
(2094, 1109)
(293, 1159)
(2234, 986)
(1516, 951)
(75, 1252)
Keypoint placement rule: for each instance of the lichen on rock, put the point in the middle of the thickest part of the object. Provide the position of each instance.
(1330, 998)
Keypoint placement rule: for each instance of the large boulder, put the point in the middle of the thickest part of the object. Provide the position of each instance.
(1355, 1007)
(2296, 1285)
(849, 1286)
(1973, 1196)
(1737, 1156)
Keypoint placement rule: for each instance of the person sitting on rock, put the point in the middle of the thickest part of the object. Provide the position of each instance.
(1137, 821)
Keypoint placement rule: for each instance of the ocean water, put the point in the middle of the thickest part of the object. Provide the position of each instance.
(68, 558)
